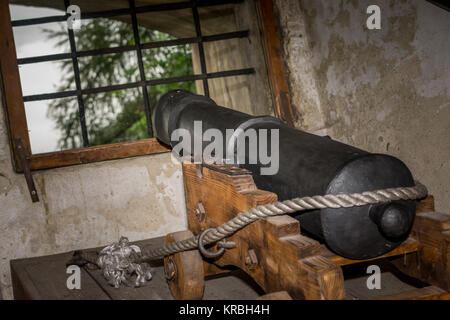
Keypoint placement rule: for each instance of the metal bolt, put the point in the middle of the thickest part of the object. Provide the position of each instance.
(200, 211)
(199, 168)
(170, 269)
(251, 259)
(227, 245)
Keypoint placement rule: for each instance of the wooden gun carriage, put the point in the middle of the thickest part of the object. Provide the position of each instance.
(284, 262)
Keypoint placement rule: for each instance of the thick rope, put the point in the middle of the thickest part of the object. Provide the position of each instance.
(120, 261)
(243, 219)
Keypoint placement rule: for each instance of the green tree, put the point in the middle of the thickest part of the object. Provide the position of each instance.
(118, 115)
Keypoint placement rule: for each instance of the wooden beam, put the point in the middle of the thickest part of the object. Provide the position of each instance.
(425, 293)
(280, 295)
(12, 89)
(409, 246)
(97, 153)
(275, 63)
(432, 262)
(425, 205)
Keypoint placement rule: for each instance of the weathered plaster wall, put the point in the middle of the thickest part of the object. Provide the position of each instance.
(382, 90)
(85, 206)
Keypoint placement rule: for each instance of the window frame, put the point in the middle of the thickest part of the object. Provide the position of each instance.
(15, 109)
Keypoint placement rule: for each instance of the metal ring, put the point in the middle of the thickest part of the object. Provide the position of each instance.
(207, 253)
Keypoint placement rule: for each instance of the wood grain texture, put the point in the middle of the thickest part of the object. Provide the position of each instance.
(425, 293)
(280, 295)
(431, 263)
(97, 153)
(409, 246)
(12, 88)
(275, 62)
(188, 282)
(425, 205)
(285, 259)
(44, 278)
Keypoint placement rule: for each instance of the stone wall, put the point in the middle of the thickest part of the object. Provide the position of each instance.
(385, 91)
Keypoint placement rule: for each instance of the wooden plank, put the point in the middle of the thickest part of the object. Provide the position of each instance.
(210, 269)
(275, 63)
(155, 289)
(12, 88)
(426, 293)
(432, 262)
(445, 263)
(410, 245)
(432, 220)
(46, 277)
(97, 153)
(425, 205)
(280, 295)
(283, 226)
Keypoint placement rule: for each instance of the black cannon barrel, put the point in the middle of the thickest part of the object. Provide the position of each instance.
(309, 165)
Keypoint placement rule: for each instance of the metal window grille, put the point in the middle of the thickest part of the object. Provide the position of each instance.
(79, 92)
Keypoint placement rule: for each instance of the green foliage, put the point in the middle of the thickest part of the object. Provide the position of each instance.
(118, 115)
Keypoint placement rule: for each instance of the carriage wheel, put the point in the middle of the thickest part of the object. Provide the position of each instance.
(184, 270)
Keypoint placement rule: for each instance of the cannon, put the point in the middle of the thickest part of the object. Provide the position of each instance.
(308, 165)
(292, 220)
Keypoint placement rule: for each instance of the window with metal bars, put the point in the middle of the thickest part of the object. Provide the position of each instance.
(89, 149)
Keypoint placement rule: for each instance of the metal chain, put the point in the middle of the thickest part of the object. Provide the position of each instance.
(283, 207)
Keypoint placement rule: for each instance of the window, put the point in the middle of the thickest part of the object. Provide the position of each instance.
(117, 65)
